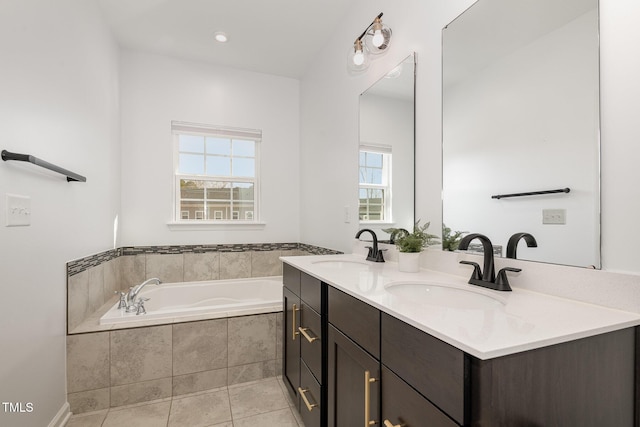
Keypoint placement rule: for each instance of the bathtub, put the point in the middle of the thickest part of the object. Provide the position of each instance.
(203, 300)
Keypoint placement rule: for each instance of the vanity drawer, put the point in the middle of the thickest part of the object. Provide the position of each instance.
(291, 278)
(356, 319)
(402, 405)
(311, 291)
(311, 344)
(436, 369)
(310, 398)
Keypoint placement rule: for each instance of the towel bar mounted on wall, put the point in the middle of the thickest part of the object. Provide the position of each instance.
(71, 176)
(531, 193)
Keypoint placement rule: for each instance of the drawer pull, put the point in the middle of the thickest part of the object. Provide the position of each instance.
(304, 333)
(294, 330)
(367, 398)
(309, 405)
(388, 423)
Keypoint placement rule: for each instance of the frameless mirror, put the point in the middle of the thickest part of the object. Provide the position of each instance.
(387, 140)
(521, 115)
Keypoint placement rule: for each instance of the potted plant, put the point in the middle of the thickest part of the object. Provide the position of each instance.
(411, 244)
(450, 238)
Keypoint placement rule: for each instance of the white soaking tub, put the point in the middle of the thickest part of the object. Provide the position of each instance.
(211, 299)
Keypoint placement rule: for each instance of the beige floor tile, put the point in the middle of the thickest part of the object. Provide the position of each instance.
(256, 398)
(200, 410)
(281, 418)
(154, 415)
(93, 419)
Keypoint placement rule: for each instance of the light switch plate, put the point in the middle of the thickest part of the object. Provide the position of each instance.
(554, 216)
(18, 210)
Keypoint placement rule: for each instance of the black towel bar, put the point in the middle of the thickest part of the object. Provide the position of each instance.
(71, 176)
(531, 193)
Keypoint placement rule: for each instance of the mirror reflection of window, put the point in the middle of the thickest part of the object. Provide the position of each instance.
(375, 183)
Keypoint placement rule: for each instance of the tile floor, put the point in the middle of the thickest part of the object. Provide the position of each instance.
(261, 403)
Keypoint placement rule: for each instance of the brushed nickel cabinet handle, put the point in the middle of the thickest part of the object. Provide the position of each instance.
(367, 398)
(309, 405)
(294, 330)
(388, 423)
(305, 334)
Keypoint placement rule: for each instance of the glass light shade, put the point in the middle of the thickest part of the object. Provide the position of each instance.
(357, 57)
(377, 38)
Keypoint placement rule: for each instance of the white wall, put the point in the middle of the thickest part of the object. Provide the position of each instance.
(329, 129)
(329, 116)
(59, 102)
(156, 90)
(508, 128)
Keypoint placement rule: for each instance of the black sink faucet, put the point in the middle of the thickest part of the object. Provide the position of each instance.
(374, 254)
(486, 277)
(513, 243)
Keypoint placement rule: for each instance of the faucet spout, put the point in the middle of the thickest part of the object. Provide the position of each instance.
(374, 254)
(134, 291)
(512, 245)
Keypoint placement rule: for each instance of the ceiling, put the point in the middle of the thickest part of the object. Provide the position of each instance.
(278, 37)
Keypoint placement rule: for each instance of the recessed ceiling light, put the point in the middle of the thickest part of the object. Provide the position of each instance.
(221, 37)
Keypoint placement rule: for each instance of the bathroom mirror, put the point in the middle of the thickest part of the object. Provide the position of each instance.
(520, 115)
(387, 147)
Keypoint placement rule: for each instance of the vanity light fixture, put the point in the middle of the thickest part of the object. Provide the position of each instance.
(374, 40)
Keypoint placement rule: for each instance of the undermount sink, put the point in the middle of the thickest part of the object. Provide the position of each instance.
(342, 264)
(443, 296)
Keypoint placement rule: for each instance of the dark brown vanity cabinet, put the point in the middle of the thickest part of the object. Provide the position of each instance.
(303, 341)
(380, 369)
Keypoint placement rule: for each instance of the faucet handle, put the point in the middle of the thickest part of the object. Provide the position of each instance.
(379, 256)
(370, 253)
(477, 273)
(140, 306)
(123, 299)
(502, 281)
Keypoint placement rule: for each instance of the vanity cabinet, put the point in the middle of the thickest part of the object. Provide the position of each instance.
(374, 367)
(304, 337)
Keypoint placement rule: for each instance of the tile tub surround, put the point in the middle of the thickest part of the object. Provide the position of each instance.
(123, 367)
(92, 281)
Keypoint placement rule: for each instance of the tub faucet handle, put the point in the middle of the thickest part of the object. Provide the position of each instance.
(140, 306)
(123, 299)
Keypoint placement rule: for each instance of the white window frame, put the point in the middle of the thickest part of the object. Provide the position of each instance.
(386, 185)
(185, 128)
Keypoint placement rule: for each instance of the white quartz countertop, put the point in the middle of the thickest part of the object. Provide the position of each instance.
(482, 322)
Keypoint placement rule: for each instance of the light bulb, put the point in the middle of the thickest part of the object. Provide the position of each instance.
(378, 38)
(358, 57)
(221, 37)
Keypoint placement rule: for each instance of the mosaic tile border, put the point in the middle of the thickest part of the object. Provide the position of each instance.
(79, 265)
(82, 264)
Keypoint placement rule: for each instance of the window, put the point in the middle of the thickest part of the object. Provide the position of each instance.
(375, 184)
(216, 173)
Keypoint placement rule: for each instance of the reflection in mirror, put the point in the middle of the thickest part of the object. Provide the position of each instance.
(521, 114)
(386, 165)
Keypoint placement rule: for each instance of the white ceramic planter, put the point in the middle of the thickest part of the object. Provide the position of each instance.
(409, 262)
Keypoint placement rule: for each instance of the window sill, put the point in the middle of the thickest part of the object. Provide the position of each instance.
(216, 225)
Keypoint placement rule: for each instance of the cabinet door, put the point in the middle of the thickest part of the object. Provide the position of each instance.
(291, 342)
(436, 369)
(403, 406)
(353, 383)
